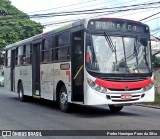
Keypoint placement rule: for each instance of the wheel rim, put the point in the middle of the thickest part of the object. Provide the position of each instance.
(63, 99)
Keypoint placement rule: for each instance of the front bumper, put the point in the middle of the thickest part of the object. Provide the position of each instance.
(93, 97)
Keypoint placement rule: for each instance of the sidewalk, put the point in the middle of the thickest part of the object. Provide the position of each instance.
(149, 106)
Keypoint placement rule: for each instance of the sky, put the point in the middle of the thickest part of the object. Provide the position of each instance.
(48, 6)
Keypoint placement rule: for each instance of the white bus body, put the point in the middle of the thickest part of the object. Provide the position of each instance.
(67, 78)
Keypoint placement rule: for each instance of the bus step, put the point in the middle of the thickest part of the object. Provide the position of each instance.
(38, 97)
(77, 102)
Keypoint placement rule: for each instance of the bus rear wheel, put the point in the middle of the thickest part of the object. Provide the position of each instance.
(21, 95)
(115, 108)
(63, 100)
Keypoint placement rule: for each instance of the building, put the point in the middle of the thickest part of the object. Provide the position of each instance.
(155, 45)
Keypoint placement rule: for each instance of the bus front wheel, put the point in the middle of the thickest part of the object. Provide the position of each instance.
(115, 108)
(63, 100)
(21, 95)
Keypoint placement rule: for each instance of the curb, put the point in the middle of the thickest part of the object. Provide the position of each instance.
(149, 106)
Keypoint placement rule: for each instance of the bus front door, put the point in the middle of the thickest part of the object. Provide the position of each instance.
(77, 66)
(36, 69)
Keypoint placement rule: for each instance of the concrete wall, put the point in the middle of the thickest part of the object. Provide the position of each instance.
(157, 80)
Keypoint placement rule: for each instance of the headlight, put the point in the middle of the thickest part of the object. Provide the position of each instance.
(104, 90)
(96, 87)
(148, 87)
(91, 83)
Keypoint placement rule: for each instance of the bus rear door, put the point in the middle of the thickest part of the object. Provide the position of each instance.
(13, 59)
(36, 69)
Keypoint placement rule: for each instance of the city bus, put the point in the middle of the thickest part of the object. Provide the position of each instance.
(99, 61)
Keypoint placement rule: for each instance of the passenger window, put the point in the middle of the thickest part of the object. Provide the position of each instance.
(28, 54)
(8, 58)
(62, 46)
(20, 55)
(47, 50)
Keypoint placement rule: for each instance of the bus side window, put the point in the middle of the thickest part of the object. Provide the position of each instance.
(47, 50)
(27, 59)
(24, 55)
(56, 47)
(16, 62)
(6, 61)
(20, 55)
(8, 58)
(62, 46)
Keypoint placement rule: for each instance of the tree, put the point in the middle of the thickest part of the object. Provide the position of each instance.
(156, 60)
(15, 25)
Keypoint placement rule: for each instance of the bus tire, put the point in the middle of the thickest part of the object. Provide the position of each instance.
(21, 95)
(64, 105)
(115, 109)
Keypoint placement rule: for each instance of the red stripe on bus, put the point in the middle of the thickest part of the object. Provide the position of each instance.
(123, 85)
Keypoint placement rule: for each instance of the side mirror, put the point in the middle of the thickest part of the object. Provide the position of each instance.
(143, 41)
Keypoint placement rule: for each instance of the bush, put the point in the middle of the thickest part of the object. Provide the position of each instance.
(156, 62)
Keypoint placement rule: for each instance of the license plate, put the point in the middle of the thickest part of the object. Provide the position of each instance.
(126, 96)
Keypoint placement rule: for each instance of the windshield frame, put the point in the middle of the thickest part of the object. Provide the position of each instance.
(119, 34)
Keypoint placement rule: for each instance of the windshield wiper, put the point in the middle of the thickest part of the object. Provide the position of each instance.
(135, 52)
(110, 43)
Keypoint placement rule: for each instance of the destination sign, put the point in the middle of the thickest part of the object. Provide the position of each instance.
(117, 25)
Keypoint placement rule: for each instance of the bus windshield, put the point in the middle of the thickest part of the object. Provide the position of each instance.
(114, 54)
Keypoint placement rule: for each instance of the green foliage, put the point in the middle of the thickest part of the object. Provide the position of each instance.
(157, 99)
(155, 61)
(15, 25)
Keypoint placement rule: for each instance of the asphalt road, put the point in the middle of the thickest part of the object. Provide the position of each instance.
(44, 115)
